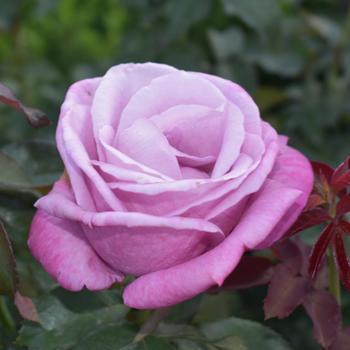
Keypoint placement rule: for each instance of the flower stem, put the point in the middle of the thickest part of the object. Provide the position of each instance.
(151, 324)
(333, 276)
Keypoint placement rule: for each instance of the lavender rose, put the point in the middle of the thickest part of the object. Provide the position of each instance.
(170, 177)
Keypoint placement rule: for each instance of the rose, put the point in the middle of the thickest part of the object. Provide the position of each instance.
(170, 177)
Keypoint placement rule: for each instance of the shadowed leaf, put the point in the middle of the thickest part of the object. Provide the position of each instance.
(11, 174)
(246, 334)
(35, 117)
(251, 271)
(343, 340)
(63, 329)
(314, 201)
(286, 292)
(40, 160)
(345, 226)
(324, 169)
(291, 254)
(307, 219)
(324, 312)
(343, 205)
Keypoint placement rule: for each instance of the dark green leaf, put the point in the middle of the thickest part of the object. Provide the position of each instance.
(255, 13)
(182, 14)
(62, 329)
(246, 334)
(226, 43)
(38, 158)
(11, 174)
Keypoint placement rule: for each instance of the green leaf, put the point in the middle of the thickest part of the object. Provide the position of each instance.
(258, 14)
(121, 338)
(288, 64)
(268, 97)
(11, 174)
(39, 159)
(8, 274)
(186, 311)
(324, 27)
(226, 43)
(62, 329)
(245, 334)
(182, 14)
(111, 337)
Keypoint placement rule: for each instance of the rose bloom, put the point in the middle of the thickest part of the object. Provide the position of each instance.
(170, 176)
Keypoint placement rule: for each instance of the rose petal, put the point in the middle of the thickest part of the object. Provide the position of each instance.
(145, 143)
(181, 282)
(239, 97)
(294, 170)
(192, 129)
(116, 88)
(78, 154)
(61, 247)
(115, 157)
(80, 93)
(231, 141)
(186, 88)
(127, 239)
(80, 187)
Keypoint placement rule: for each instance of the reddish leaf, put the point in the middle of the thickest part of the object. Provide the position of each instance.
(289, 252)
(8, 273)
(36, 118)
(324, 312)
(343, 340)
(343, 205)
(26, 307)
(341, 176)
(342, 260)
(345, 226)
(324, 169)
(319, 249)
(286, 292)
(307, 219)
(251, 271)
(314, 201)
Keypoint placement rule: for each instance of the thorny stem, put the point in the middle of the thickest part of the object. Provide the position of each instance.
(151, 324)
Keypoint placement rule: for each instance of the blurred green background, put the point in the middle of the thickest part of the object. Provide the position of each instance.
(292, 56)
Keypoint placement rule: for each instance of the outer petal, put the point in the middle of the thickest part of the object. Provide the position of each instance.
(294, 170)
(265, 213)
(134, 243)
(61, 247)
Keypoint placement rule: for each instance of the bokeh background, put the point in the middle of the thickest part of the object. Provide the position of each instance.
(292, 56)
